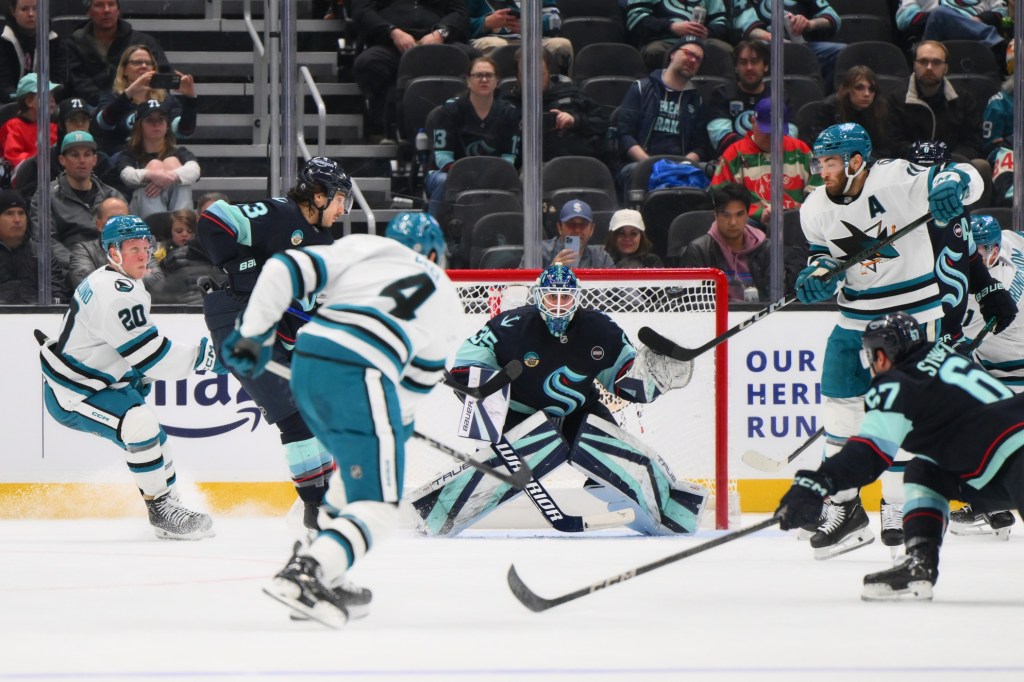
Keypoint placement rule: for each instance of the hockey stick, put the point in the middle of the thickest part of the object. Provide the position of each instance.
(973, 345)
(663, 346)
(536, 603)
(498, 381)
(762, 462)
(517, 480)
(545, 504)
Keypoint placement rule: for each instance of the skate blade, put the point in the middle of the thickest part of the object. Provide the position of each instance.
(354, 613)
(1002, 534)
(916, 590)
(326, 614)
(856, 539)
(964, 530)
(805, 535)
(162, 534)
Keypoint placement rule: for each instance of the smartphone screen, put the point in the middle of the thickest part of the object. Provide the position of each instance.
(572, 242)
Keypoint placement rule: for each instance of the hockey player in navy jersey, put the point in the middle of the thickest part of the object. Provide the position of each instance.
(240, 238)
(964, 426)
(98, 372)
(860, 203)
(377, 344)
(555, 404)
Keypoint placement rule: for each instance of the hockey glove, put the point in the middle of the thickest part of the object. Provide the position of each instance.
(996, 302)
(802, 503)
(945, 198)
(247, 355)
(139, 382)
(206, 358)
(817, 282)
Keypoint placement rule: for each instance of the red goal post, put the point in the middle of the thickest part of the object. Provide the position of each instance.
(687, 427)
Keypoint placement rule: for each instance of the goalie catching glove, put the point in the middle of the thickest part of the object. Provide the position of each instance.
(652, 374)
(818, 281)
(997, 303)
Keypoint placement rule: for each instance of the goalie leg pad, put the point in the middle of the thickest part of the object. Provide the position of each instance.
(663, 505)
(459, 498)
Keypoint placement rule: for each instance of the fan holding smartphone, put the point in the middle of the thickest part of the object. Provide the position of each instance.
(496, 23)
(575, 228)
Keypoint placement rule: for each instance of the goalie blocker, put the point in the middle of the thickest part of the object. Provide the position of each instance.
(630, 477)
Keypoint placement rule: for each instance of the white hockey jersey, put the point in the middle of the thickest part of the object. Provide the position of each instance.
(105, 335)
(379, 300)
(1002, 354)
(902, 277)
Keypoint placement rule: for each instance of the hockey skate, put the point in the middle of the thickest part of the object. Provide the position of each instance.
(357, 599)
(173, 521)
(808, 530)
(892, 527)
(299, 587)
(845, 529)
(913, 578)
(965, 521)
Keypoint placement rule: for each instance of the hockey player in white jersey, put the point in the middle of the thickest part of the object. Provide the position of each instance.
(860, 203)
(98, 371)
(378, 342)
(1002, 355)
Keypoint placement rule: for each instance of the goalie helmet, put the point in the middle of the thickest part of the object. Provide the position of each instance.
(895, 333)
(556, 296)
(323, 173)
(844, 140)
(420, 232)
(929, 153)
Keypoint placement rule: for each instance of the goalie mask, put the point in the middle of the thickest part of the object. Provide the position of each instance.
(897, 334)
(556, 295)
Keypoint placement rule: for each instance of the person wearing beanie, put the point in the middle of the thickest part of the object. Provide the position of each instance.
(19, 256)
(627, 242)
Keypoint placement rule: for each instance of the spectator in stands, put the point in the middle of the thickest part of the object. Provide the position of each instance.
(88, 255)
(116, 111)
(575, 220)
(392, 27)
(932, 109)
(73, 115)
(574, 125)
(18, 49)
(474, 124)
(95, 48)
(159, 173)
(857, 101)
(495, 23)
(19, 135)
(997, 137)
(738, 248)
(19, 257)
(979, 20)
(627, 241)
(748, 162)
(72, 196)
(655, 27)
(807, 21)
(731, 109)
(209, 198)
(182, 263)
(665, 113)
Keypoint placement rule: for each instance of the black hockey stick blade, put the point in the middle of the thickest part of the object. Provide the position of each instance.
(41, 338)
(663, 346)
(505, 376)
(759, 461)
(517, 479)
(537, 603)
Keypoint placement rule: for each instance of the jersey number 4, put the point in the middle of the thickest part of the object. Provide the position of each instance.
(408, 293)
(132, 317)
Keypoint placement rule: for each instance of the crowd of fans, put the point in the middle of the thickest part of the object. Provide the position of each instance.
(699, 121)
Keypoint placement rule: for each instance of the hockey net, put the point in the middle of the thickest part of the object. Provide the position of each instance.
(687, 427)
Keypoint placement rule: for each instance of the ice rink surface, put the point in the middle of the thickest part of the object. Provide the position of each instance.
(104, 600)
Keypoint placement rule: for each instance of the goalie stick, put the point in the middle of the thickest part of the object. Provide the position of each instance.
(537, 603)
(518, 479)
(498, 381)
(664, 346)
(762, 462)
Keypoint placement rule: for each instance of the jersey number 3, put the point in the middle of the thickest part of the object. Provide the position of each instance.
(408, 293)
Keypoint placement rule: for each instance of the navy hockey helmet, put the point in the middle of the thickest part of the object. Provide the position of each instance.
(121, 228)
(895, 333)
(323, 173)
(420, 232)
(555, 294)
(844, 140)
(929, 153)
(986, 231)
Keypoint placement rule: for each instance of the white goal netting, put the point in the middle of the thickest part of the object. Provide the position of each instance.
(686, 426)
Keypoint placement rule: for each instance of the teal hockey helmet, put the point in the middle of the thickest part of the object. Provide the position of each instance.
(555, 294)
(898, 334)
(420, 232)
(986, 230)
(121, 228)
(844, 140)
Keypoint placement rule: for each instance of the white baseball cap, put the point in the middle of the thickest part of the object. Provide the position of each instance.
(626, 217)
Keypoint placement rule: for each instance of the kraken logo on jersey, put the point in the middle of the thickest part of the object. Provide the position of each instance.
(558, 391)
(123, 285)
(947, 272)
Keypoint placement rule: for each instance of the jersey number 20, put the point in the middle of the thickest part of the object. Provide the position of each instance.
(132, 317)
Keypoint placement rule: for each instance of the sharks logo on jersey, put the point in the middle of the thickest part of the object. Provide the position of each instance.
(123, 285)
